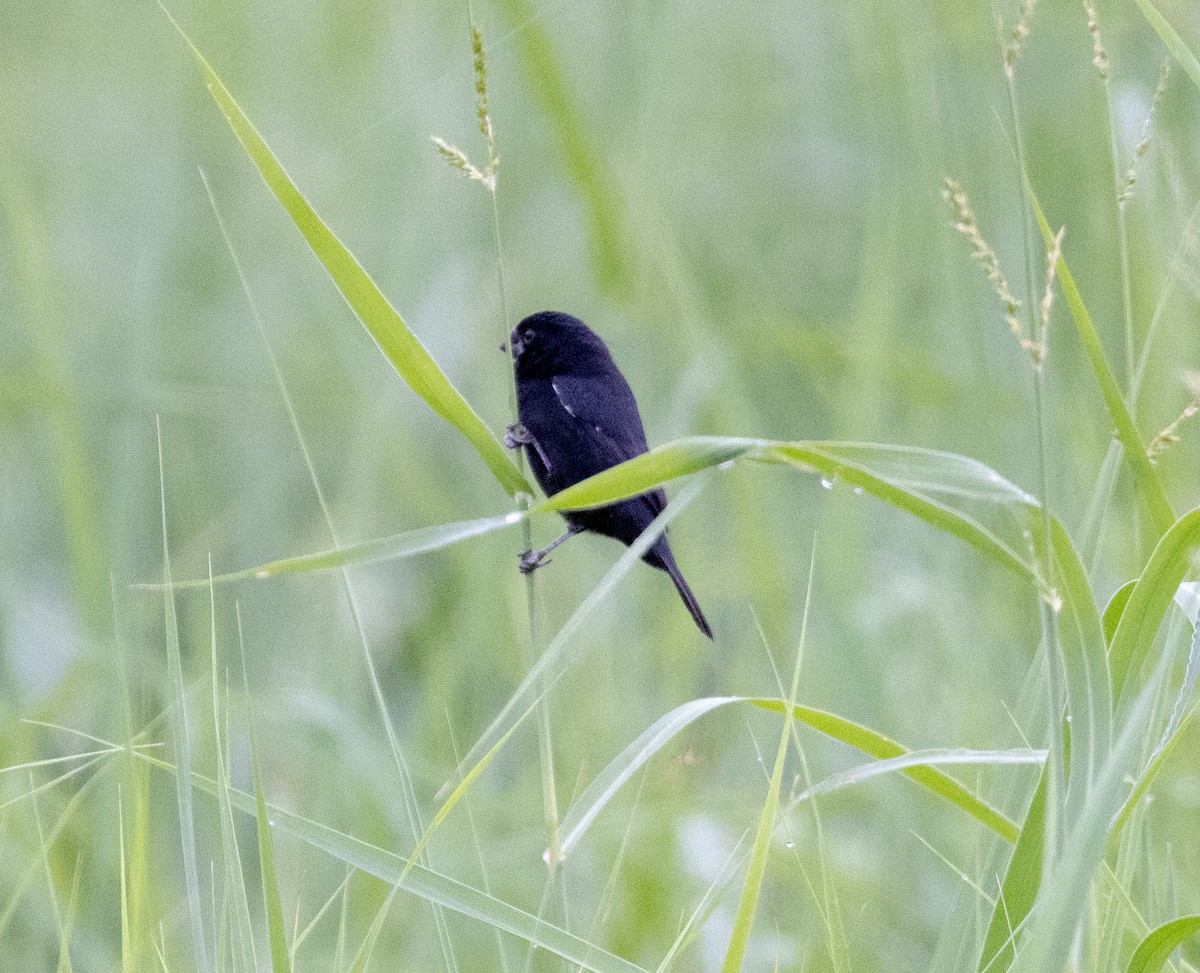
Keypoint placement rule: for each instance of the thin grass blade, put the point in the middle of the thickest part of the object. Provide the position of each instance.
(1175, 44)
(393, 547)
(423, 882)
(1145, 478)
(182, 741)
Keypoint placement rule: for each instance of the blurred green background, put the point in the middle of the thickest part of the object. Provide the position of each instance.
(745, 201)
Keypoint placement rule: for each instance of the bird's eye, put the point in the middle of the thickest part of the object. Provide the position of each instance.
(528, 335)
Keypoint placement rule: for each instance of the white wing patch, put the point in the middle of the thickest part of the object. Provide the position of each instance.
(561, 401)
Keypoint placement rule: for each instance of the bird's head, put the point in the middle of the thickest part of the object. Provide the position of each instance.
(555, 343)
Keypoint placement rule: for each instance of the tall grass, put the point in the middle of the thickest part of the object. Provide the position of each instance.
(335, 730)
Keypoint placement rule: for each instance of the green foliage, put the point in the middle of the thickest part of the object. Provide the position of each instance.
(744, 201)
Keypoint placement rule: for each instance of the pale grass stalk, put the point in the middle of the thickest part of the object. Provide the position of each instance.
(486, 175)
(1048, 602)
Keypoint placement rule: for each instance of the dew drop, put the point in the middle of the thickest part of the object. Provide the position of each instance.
(791, 844)
(858, 491)
(827, 483)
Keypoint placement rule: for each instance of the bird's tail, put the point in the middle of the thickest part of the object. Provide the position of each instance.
(689, 599)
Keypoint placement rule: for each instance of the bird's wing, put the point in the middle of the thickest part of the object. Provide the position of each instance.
(606, 404)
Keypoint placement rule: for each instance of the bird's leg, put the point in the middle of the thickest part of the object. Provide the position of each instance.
(532, 560)
(517, 436)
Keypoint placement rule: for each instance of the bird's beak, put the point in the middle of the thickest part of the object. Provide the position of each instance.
(516, 344)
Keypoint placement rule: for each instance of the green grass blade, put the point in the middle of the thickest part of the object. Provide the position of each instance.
(423, 882)
(680, 457)
(238, 902)
(182, 742)
(1145, 477)
(1150, 598)
(743, 921)
(402, 348)
(1116, 608)
(281, 961)
(1064, 897)
(1153, 951)
(395, 546)
(601, 790)
(944, 757)
(1085, 661)
(464, 785)
(556, 658)
(1019, 889)
(751, 889)
(706, 905)
(604, 787)
(953, 493)
(1175, 44)
(950, 492)
(883, 748)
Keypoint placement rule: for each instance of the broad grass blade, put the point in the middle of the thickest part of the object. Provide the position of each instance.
(403, 349)
(1150, 598)
(1154, 951)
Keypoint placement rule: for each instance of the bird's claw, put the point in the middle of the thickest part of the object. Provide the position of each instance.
(516, 436)
(530, 561)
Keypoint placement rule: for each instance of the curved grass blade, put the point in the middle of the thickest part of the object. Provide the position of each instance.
(680, 457)
(1145, 478)
(927, 759)
(1116, 608)
(1153, 951)
(423, 882)
(403, 349)
(925, 483)
(1150, 598)
(601, 790)
(596, 796)
(953, 493)
(883, 748)
(922, 482)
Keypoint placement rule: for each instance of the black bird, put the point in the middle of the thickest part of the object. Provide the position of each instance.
(578, 417)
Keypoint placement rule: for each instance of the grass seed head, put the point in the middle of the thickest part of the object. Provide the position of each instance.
(1018, 35)
(1100, 60)
(956, 197)
(1143, 145)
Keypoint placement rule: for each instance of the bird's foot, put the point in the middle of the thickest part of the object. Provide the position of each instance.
(530, 561)
(517, 436)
